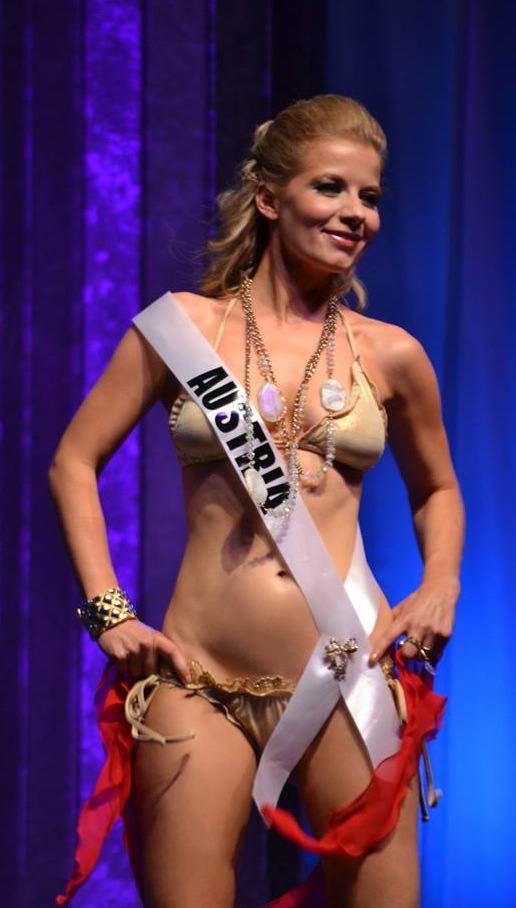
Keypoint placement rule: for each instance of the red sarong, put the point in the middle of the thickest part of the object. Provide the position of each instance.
(354, 829)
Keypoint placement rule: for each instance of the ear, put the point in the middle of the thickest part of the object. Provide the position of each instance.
(266, 202)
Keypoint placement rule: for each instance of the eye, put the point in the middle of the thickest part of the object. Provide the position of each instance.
(328, 187)
(370, 198)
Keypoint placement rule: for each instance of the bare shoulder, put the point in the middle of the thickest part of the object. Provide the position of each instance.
(136, 364)
(206, 312)
(397, 360)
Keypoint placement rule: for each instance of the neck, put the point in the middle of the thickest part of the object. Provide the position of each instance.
(292, 295)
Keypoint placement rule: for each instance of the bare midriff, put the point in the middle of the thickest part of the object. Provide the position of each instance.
(235, 607)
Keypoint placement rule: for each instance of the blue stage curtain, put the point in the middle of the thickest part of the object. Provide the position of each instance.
(440, 77)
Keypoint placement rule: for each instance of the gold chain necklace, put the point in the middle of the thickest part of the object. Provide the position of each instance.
(272, 404)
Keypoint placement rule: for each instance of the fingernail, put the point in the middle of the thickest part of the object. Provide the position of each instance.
(372, 658)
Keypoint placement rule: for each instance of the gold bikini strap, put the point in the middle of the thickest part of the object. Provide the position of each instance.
(136, 705)
(349, 333)
(220, 330)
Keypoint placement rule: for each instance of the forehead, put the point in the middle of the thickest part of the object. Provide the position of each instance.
(340, 157)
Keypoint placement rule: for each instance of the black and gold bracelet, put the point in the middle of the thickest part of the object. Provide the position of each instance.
(104, 611)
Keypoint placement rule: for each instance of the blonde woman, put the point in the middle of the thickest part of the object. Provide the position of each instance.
(276, 304)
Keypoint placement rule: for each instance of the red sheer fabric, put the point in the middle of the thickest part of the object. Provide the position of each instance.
(365, 821)
(354, 829)
(113, 788)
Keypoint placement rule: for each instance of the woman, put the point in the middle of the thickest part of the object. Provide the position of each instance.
(238, 632)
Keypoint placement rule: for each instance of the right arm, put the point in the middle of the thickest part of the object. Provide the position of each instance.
(134, 379)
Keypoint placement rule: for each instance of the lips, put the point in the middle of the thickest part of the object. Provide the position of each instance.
(343, 239)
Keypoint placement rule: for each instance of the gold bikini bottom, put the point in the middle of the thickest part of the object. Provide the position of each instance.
(255, 707)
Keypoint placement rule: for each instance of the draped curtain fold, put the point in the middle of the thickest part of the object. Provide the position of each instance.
(119, 122)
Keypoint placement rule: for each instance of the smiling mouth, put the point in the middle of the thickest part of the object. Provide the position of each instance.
(345, 240)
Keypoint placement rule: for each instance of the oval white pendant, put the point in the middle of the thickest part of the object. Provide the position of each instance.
(333, 395)
(271, 402)
(255, 486)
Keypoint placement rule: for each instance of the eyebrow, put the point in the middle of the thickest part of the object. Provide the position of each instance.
(339, 179)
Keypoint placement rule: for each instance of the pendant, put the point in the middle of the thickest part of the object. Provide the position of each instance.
(255, 486)
(333, 395)
(271, 402)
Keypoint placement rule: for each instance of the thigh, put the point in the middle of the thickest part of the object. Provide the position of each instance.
(192, 801)
(387, 877)
(334, 771)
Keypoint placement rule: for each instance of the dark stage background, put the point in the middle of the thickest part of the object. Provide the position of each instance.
(119, 122)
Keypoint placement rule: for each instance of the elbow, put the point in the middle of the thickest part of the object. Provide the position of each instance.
(67, 470)
(56, 471)
(448, 490)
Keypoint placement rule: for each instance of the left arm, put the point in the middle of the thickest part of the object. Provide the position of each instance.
(420, 446)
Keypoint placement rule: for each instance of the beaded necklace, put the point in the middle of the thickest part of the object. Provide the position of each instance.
(273, 407)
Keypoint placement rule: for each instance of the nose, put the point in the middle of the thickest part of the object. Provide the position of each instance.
(353, 221)
(352, 211)
(352, 206)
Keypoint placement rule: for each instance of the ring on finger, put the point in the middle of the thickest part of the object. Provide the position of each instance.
(424, 651)
(414, 641)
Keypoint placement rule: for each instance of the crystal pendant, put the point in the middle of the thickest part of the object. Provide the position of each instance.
(333, 395)
(255, 486)
(271, 402)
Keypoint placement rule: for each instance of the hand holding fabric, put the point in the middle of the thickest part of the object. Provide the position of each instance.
(426, 618)
(136, 649)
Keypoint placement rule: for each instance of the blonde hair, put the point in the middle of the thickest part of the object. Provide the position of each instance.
(274, 158)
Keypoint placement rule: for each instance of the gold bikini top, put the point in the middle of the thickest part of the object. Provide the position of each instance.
(360, 427)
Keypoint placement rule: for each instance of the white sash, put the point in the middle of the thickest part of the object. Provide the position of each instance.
(339, 611)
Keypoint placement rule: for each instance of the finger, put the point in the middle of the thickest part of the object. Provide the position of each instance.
(174, 655)
(135, 666)
(381, 646)
(410, 648)
(417, 648)
(150, 661)
(433, 651)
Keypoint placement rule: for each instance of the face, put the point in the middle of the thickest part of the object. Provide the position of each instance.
(327, 214)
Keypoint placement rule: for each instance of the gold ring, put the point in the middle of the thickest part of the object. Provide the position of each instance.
(424, 651)
(414, 641)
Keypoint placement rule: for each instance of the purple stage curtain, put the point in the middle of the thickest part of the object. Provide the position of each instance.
(119, 123)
